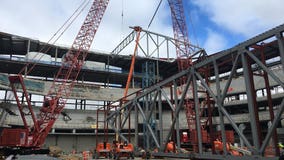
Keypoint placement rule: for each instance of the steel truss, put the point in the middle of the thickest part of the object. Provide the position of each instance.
(243, 60)
(152, 44)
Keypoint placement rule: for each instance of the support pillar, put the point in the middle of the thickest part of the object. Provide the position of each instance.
(281, 48)
(136, 136)
(196, 106)
(218, 89)
(160, 119)
(269, 101)
(251, 97)
(242, 127)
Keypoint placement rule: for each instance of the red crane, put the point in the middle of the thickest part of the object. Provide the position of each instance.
(184, 59)
(181, 34)
(54, 102)
(183, 51)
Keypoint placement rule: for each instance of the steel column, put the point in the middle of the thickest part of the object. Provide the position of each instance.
(160, 118)
(269, 102)
(196, 106)
(136, 127)
(177, 124)
(251, 107)
(281, 48)
(218, 92)
(242, 127)
(145, 123)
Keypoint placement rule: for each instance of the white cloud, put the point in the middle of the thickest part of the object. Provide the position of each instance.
(135, 13)
(40, 19)
(215, 42)
(34, 18)
(242, 16)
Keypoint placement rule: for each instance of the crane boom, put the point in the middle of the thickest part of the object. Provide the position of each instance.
(182, 51)
(69, 70)
(180, 34)
(54, 102)
(138, 30)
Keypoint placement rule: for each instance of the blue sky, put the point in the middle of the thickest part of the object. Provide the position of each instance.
(218, 24)
(221, 24)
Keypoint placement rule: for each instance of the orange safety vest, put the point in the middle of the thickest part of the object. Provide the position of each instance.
(85, 155)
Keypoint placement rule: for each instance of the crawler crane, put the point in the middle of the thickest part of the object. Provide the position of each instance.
(32, 137)
(185, 55)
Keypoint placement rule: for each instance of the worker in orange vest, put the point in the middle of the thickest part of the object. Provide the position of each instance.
(85, 155)
(170, 147)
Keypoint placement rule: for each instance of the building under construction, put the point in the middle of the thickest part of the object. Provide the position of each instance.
(228, 105)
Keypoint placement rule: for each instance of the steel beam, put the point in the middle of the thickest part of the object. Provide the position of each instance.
(224, 111)
(234, 68)
(196, 107)
(252, 41)
(235, 53)
(178, 108)
(149, 127)
(273, 126)
(266, 69)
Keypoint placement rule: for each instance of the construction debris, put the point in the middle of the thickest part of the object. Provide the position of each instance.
(55, 151)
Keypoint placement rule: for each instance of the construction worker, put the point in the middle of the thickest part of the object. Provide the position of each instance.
(86, 155)
(170, 147)
(281, 147)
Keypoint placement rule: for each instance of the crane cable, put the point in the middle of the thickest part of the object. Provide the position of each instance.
(122, 20)
(154, 14)
(193, 28)
(70, 20)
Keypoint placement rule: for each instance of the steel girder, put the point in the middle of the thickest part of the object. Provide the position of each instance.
(241, 57)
